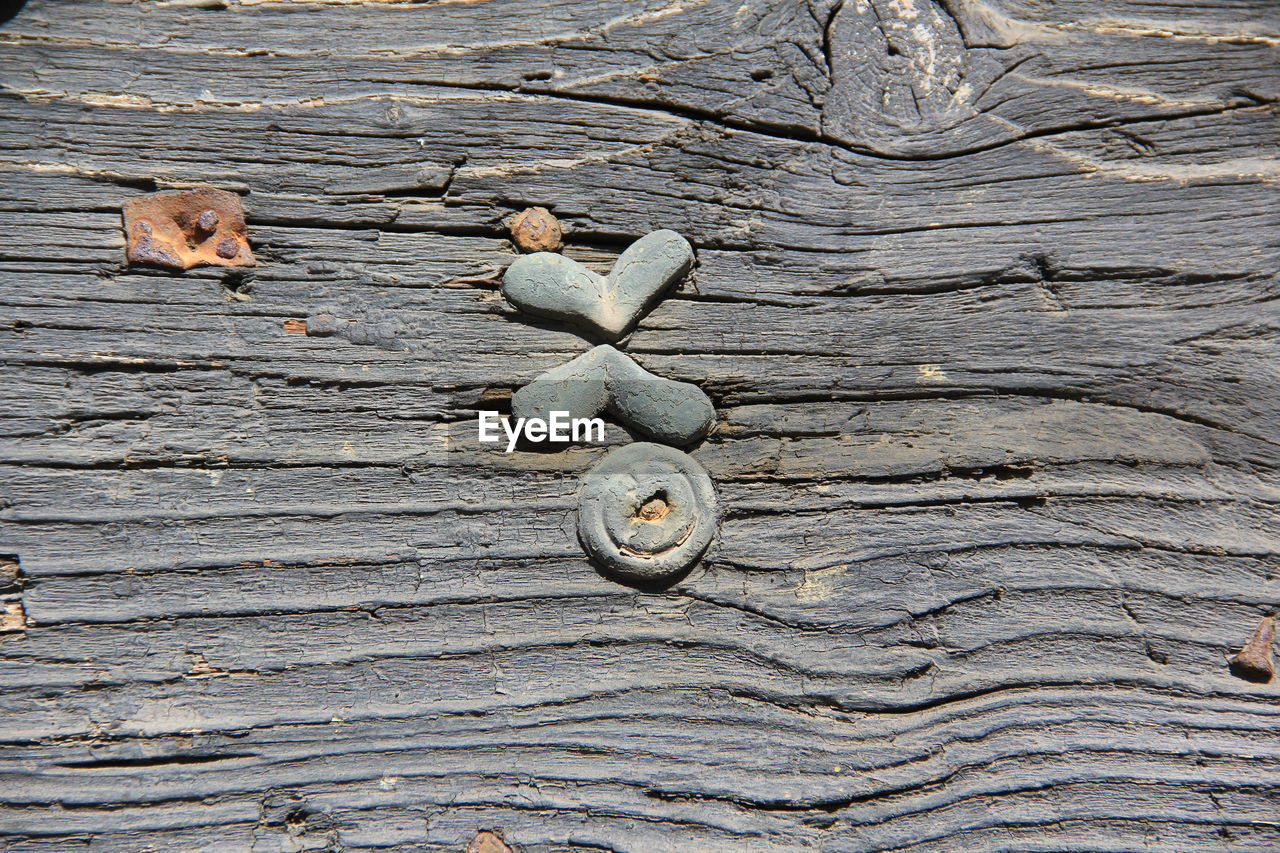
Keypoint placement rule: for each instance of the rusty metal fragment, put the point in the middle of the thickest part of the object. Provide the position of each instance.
(183, 229)
(536, 230)
(488, 842)
(1253, 663)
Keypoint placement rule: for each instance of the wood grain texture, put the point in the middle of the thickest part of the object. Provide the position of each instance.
(986, 299)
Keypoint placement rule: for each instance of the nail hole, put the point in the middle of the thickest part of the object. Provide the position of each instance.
(762, 74)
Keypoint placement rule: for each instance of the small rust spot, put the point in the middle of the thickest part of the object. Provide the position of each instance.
(1253, 663)
(200, 666)
(653, 509)
(295, 327)
(488, 841)
(13, 616)
(183, 229)
(536, 230)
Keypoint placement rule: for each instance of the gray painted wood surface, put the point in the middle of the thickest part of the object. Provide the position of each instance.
(985, 297)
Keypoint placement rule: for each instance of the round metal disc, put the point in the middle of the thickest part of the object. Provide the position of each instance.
(646, 513)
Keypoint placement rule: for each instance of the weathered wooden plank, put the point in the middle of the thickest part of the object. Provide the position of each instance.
(985, 299)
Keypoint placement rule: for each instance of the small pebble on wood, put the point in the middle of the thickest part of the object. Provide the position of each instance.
(610, 305)
(536, 230)
(603, 378)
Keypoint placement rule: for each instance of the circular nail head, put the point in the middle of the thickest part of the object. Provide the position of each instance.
(647, 512)
(227, 248)
(207, 221)
(536, 230)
